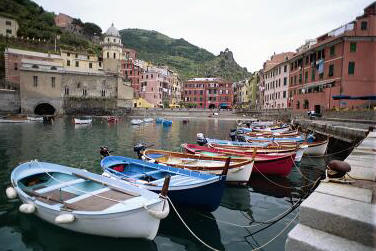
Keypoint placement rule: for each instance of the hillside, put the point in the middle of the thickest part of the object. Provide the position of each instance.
(188, 59)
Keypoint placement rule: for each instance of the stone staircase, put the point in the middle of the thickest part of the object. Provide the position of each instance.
(341, 216)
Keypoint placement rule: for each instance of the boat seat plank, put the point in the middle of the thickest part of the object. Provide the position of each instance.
(94, 203)
(59, 185)
(56, 195)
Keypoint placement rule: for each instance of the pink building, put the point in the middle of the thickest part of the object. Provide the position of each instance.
(276, 81)
(156, 86)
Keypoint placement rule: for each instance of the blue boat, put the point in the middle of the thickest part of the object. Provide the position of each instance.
(188, 188)
(167, 122)
(277, 139)
(159, 120)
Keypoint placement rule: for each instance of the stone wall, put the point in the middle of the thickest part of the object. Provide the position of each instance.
(91, 106)
(9, 101)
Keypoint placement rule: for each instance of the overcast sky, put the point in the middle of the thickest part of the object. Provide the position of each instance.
(252, 29)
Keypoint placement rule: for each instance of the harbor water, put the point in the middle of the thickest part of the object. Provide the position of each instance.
(245, 220)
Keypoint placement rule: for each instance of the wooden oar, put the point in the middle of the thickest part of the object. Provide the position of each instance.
(66, 205)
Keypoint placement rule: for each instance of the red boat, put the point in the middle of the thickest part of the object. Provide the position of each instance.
(112, 119)
(279, 164)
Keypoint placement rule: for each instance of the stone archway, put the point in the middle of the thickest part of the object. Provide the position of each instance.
(44, 109)
(212, 106)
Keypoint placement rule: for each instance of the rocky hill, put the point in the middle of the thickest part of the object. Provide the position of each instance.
(188, 59)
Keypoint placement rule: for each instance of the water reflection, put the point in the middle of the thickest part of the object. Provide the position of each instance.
(64, 143)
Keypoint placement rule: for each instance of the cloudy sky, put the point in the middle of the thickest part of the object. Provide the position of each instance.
(252, 29)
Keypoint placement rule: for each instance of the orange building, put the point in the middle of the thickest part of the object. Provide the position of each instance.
(340, 63)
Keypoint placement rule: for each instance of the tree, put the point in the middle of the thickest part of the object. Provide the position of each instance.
(91, 29)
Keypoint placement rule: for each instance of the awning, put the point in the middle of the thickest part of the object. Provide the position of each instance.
(337, 97)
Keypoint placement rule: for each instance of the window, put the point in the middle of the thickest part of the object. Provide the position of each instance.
(68, 62)
(35, 81)
(108, 55)
(201, 92)
(76, 55)
(363, 25)
(306, 77)
(284, 81)
(68, 54)
(353, 47)
(53, 79)
(9, 31)
(53, 68)
(35, 66)
(306, 104)
(291, 80)
(77, 63)
(295, 79)
(351, 69)
(114, 55)
(313, 75)
(84, 92)
(331, 70)
(100, 64)
(285, 68)
(300, 77)
(78, 85)
(90, 65)
(8, 22)
(332, 50)
(15, 66)
(103, 93)
(151, 75)
(66, 91)
(306, 59)
(298, 105)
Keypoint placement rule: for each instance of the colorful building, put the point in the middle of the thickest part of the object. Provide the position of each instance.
(340, 64)
(208, 93)
(276, 77)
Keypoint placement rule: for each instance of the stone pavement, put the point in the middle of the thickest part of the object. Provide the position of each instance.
(341, 216)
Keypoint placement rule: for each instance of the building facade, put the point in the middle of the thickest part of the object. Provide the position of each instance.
(8, 27)
(52, 85)
(276, 77)
(340, 64)
(208, 93)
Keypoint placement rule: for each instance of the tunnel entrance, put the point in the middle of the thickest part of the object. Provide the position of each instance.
(44, 109)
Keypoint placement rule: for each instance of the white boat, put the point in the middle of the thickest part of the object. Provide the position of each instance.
(40, 119)
(85, 202)
(148, 120)
(316, 148)
(82, 121)
(136, 121)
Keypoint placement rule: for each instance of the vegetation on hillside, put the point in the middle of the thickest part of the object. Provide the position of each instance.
(189, 60)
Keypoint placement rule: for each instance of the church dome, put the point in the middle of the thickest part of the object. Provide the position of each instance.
(112, 31)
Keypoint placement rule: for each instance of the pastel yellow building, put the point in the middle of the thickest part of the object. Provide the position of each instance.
(142, 103)
(76, 61)
(8, 27)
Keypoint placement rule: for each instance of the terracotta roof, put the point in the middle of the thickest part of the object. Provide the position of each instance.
(277, 59)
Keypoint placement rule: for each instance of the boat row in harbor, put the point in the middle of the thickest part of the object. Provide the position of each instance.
(132, 196)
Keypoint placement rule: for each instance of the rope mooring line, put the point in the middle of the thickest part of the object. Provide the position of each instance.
(185, 224)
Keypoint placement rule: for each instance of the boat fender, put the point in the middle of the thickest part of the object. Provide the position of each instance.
(11, 193)
(159, 214)
(105, 174)
(27, 208)
(64, 219)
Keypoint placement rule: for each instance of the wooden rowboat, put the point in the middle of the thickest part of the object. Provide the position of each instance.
(270, 164)
(188, 188)
(85, 202)
(239, 169)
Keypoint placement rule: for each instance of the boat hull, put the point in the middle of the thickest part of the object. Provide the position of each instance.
(278, 167)
(207, 198)
(316, 148)
(118, 225)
